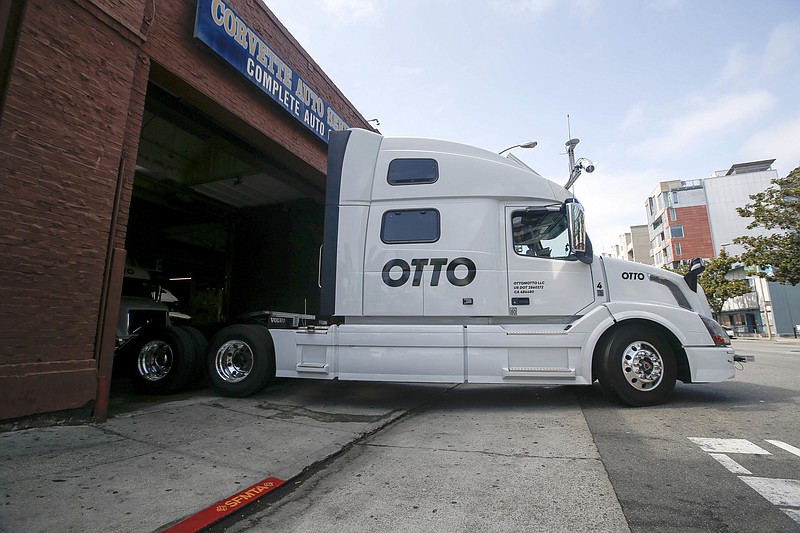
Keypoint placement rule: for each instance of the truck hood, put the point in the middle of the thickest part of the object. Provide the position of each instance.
(629, 281)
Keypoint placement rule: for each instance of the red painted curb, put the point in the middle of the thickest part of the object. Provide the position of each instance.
(223, 508)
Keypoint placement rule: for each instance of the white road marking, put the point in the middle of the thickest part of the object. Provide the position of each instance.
(783, 493)
(730, 464)
(794, 514)
(788, 447)
(728, 446)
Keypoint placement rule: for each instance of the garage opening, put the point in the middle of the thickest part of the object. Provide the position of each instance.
(217, 228)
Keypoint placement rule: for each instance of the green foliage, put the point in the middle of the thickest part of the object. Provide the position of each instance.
(717, 287)
(776, 209)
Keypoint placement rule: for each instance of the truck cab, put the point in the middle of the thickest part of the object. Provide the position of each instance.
(443, 262)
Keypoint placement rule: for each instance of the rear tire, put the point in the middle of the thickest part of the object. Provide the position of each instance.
(200, 344)
(639, 366)
(241, 360)
(164, 361)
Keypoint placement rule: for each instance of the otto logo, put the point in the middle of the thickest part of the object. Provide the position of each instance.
(633, 275)
(396, 272)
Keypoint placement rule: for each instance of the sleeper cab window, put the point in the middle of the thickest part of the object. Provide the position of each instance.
(412, 171)
(404, 226)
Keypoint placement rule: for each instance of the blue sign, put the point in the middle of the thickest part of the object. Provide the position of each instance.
(219, 27)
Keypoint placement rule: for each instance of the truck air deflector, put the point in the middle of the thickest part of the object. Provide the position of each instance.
(336, 150)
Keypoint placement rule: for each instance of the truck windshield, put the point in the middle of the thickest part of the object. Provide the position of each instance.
(540, 234)
(137, 287)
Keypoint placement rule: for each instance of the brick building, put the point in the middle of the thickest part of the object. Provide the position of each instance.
(128, 136)
(678, 223)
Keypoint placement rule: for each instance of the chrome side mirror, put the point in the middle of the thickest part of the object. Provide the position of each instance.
(577, 226)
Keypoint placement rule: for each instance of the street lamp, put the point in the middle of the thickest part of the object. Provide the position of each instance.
(528, 144)
(764, 294)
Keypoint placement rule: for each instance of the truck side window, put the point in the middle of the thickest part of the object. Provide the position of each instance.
(541, 234)
(412, 171)
(410, 226)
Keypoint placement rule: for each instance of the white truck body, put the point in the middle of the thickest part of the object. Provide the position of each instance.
(447, 263)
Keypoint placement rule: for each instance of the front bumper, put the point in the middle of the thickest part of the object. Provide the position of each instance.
(709, 364)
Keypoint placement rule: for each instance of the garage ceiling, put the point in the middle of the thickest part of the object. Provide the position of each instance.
(192, 177)
(207, 165)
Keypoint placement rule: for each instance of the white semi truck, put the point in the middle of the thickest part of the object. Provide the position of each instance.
(442, 262)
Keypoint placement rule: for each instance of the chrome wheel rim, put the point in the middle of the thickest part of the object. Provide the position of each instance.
(642, 366)
(155, 360)
(234, 361)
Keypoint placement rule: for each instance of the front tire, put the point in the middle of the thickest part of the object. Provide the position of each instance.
(241, 360)
(639, 365)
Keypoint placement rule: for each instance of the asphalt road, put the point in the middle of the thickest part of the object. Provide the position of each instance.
(667, 482)
(717, 457)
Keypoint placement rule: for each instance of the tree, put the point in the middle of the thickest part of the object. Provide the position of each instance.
(776, 209)
(717, 287)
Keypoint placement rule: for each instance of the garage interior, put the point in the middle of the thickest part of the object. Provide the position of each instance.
(224, 227)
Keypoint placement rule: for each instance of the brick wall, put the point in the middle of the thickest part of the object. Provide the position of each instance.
(69, 129)
(696, 240)
(62, 133)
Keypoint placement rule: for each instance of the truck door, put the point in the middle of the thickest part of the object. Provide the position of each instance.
(544, 279)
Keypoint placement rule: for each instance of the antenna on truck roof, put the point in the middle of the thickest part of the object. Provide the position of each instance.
(575, 167)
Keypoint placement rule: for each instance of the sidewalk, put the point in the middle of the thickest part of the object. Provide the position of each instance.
(156, 462)
(144, 469)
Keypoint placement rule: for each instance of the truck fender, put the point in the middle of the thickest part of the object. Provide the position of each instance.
(628, 319)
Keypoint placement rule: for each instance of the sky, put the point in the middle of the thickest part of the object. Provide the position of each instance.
(655, 90)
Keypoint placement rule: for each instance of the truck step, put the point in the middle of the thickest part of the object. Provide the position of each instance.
(313, 367)
(539, 372)
(540, 329)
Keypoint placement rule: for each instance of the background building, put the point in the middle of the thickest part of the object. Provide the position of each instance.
(698, 218)
(728, 189)
(677, 221)
(634, 245)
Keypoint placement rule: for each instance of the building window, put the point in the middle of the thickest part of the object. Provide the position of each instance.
(673, 216)
(412, 171)
(678, 249)
(410, 226)
(676, 232)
